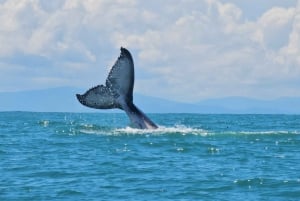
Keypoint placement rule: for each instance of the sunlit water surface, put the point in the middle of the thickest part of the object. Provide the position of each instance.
(72, 156)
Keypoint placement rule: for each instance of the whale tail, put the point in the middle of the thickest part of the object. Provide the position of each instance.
(117, 92)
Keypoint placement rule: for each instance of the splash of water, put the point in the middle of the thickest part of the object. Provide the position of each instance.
(178, 129)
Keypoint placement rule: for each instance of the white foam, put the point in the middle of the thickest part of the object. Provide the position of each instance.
(178, 129)
(269, 132)
(44, 123)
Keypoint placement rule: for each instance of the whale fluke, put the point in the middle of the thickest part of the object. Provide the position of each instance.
(117, 92)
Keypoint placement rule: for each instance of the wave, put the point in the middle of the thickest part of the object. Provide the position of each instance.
(161, 130)
(92, 128)
(265, 132)
(178, 129)
(181, 130)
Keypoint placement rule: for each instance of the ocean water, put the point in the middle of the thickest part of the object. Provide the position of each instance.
(73, 156)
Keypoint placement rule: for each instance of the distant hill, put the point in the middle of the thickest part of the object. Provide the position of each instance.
(63, 100)
(242, 105)
(49, 100)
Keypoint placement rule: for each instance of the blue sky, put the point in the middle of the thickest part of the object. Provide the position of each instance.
(184, 50)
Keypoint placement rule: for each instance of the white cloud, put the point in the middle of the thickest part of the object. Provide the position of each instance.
(183, 50)
(289, 55)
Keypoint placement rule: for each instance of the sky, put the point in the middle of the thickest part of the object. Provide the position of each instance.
(183, 50)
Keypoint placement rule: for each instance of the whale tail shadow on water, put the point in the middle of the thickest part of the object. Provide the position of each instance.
(117, 92)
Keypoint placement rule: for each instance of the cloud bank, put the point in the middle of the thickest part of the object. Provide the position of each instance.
(183, 50)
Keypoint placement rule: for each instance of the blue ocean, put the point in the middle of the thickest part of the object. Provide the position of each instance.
(96, 156)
